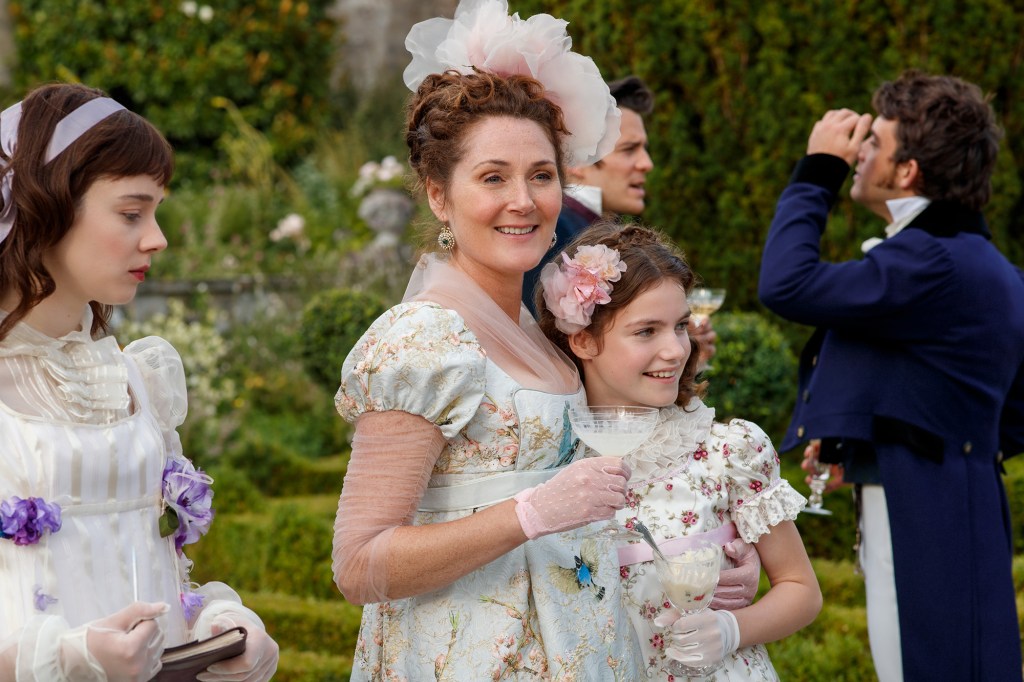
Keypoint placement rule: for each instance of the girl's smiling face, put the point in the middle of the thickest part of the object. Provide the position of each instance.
(642, 354)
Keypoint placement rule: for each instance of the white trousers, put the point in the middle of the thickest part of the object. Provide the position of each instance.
(880, 584)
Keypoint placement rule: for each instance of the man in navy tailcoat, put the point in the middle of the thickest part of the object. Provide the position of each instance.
(914, 378)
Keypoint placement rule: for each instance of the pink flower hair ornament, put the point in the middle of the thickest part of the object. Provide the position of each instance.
(574, 287)
(483, 37)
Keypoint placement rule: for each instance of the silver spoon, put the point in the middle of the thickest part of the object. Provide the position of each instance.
(639, 526)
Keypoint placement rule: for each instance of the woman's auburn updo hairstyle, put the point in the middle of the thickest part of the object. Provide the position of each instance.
(447, 105)
(47, 195)
(650, 258)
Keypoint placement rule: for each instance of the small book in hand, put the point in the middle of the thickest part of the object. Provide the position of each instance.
(183, 663)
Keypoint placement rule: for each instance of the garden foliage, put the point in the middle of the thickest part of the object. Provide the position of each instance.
(739, 84)
(332, 322)
(170, 61)
(753, 374)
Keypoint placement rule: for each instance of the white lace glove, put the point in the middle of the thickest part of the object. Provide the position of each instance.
(587, 490)
(704, 638)
(123, 647)
(257, 664)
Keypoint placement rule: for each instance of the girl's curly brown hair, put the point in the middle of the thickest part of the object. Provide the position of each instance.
(650, 259)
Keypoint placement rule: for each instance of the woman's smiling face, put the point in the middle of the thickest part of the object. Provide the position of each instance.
(502, 201)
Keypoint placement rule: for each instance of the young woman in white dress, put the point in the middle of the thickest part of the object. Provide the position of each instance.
(90, 588)
(695, 478)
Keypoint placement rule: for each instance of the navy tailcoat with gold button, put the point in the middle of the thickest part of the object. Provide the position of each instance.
(918, 363)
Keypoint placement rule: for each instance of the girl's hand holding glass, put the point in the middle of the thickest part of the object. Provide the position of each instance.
(700, 640)
(737, 586)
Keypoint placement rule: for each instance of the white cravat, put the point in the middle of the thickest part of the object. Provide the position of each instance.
(903, 211)
(588, 195)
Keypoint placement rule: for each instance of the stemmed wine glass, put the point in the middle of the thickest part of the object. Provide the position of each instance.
(820, 473)
(614, 430)
(703, 302)
(689, 579)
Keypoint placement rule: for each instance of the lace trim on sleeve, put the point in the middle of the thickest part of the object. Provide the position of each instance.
(777, 503)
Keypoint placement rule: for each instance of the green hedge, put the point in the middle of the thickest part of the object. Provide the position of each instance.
(286, 549)
(332, 322)
(753, 373)
(169, 61)
(739, 84)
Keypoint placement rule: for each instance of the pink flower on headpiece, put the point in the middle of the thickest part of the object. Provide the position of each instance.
(484, 37)
(574, 288)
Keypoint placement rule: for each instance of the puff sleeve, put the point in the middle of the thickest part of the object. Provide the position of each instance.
(759, 497)
(418, 358)
(163, 375)
(413, 381)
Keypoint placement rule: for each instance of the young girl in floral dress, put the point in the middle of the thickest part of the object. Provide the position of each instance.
(93, 586)
(618, 307)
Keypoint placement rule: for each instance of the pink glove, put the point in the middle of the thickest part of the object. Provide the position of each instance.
(587, 490)
(257, 664)
(700, 639)
(737, 586)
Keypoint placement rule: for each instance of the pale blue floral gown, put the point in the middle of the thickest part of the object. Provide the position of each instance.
(549, 609)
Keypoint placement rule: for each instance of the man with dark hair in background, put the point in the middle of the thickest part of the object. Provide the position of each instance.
(914, 379)
(614, 185)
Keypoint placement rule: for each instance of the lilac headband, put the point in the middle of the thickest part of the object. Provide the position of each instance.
(69, 129)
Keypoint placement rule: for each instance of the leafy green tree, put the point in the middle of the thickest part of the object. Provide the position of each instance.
(170, 61)
(739, 84)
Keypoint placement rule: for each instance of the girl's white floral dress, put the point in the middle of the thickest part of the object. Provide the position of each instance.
(548, 610)
(693, 476)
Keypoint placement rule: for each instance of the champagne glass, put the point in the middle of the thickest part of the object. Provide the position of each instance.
(689, 580)
(614, 430)
(819, 478)
(703, 302)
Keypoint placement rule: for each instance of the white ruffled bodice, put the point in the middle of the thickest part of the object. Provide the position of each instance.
(79, 430)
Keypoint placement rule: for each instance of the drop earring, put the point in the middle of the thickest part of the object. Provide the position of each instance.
(554, 240)
(446, 239)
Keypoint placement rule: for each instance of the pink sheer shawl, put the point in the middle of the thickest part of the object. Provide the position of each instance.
(393, 453)
(520, 350)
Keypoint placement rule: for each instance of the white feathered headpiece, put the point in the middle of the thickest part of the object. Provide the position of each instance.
(484, 37)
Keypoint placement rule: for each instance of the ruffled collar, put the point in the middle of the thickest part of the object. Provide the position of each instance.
(89, 375)
(675, 439)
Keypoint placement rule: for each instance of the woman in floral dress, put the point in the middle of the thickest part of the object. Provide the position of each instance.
(90, 588)
(695, 478)
(458, 521)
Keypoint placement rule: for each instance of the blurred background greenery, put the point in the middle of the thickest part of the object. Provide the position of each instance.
(270, 135)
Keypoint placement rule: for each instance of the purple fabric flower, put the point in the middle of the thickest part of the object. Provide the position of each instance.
(188, 494)
(190, 604)
(41, 599)
(25, 521)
